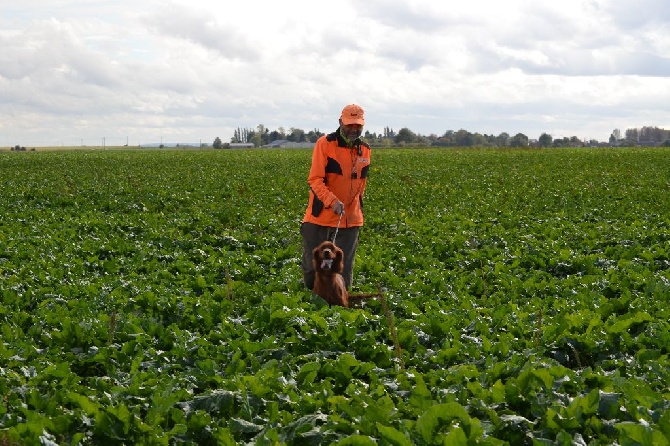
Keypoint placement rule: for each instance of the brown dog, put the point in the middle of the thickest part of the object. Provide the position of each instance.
(329, 282)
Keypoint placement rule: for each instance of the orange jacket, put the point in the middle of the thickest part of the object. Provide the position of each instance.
(338, 172)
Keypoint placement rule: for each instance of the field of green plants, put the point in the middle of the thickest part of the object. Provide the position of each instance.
(155, 298)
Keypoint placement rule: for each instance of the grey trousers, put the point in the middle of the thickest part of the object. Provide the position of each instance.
(313, 235)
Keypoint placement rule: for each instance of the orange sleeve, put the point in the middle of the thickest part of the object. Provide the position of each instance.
(317, 174)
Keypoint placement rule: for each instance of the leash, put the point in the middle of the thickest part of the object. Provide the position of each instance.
(357, 143)
(338, 227)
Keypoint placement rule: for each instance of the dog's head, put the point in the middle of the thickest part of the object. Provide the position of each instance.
(328, 258)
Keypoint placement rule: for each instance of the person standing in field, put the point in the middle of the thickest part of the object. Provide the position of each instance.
(337, 180)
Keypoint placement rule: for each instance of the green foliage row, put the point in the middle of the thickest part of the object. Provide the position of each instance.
(155, 298)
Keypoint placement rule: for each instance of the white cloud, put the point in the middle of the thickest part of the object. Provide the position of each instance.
(81, 70)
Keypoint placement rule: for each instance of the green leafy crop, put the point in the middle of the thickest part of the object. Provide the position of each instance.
(155, 297)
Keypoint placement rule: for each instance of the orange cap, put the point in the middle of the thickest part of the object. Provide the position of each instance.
(353, 114)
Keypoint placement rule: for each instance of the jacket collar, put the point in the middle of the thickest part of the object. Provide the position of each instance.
(341, 141)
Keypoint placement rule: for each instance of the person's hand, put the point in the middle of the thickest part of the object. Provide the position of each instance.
(338, 208)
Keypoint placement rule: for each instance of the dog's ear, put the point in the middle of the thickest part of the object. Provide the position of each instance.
(339, 259)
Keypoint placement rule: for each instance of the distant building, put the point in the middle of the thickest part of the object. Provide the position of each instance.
(286, 144)
(647, 143)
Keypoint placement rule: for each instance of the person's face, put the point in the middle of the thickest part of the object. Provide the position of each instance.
(351, 131)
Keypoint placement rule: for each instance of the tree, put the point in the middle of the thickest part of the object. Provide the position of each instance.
(545, 140)
(242, 135)
(519, 140)
(561, 142)
(447, 139)
(256, 139)
(264, 134)
(463, 138)
(313, 135)
(217, 144)
(502, 140)
(479, 140)
(296, 135)
(405, 136)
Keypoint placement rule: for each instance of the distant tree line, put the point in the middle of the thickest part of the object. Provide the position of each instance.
(547, 140)
(261, 136)
(641, 136)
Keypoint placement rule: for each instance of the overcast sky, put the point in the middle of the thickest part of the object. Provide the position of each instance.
(76, 71)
